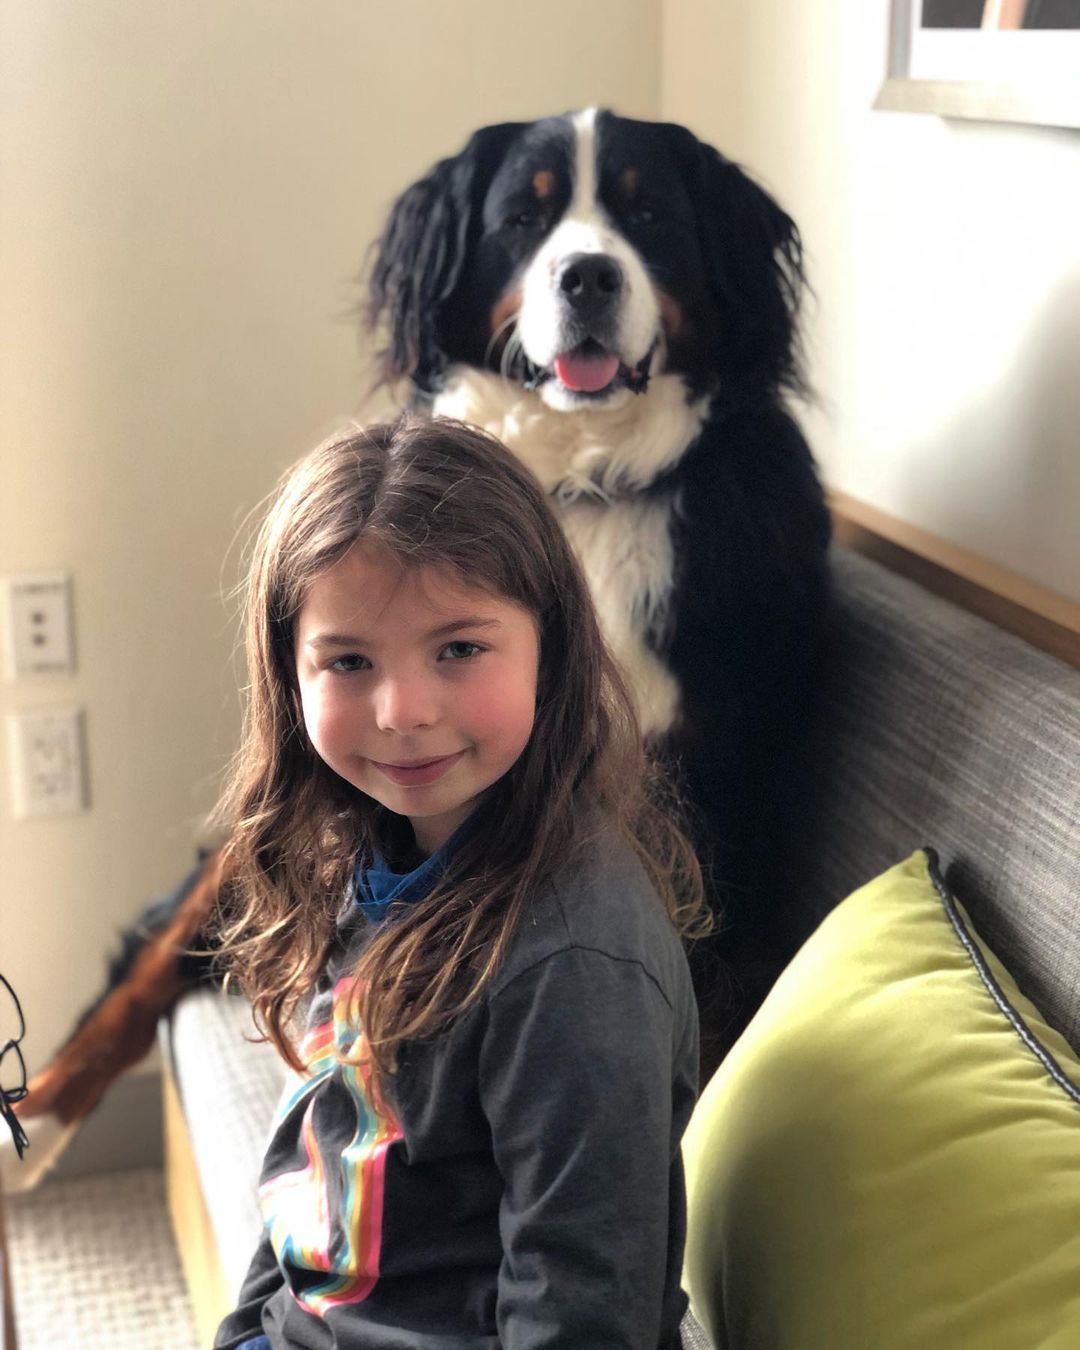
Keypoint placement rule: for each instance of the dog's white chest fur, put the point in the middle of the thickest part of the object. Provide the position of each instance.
(595, 463)
(626, 553)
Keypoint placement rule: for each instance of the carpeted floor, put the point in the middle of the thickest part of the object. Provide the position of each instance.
(95, 1267)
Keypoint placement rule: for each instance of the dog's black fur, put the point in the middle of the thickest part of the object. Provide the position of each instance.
(740, 624)
(620, 304)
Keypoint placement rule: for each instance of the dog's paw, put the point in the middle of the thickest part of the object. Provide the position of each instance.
(47, 1138)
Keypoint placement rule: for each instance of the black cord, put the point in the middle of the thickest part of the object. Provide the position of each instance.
(9, 1096)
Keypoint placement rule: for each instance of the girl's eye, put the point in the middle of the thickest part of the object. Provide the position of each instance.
(346, 665)
(460, 651)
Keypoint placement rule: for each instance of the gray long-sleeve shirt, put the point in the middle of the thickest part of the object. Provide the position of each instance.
(523, 1188)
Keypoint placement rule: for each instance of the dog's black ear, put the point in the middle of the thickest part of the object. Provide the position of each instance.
(420, 255)
(754, 256)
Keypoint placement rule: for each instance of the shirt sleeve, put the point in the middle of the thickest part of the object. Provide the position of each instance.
(244, 1323)
(576, 1077)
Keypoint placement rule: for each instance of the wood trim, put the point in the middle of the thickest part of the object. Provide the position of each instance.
(195, 1238)
(1042, 617)
(7, 1307)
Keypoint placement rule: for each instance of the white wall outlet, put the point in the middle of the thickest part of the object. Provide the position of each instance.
(37, 625)
(47, 763)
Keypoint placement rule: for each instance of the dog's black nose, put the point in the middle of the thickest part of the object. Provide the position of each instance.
(590, 281)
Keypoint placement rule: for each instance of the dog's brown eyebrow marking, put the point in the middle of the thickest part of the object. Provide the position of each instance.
(628, 181)
(506, 308)
(543, 183)
(671, 313)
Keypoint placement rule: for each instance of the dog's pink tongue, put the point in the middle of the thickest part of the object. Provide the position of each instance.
(586, 374)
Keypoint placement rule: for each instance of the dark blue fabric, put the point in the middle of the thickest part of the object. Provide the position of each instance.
(377, 887)
(257, 1343)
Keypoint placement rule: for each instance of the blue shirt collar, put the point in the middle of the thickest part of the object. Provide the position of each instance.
(376, 887)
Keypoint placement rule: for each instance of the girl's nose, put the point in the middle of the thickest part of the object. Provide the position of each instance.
(405, 704)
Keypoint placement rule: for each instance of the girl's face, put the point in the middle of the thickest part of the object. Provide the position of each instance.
(417, 689)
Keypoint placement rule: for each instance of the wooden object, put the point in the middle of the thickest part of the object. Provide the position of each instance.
(7, 1307)
(1043, 618)
(191, 1224)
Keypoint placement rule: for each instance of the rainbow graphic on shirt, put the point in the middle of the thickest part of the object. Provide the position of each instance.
(325, 1216)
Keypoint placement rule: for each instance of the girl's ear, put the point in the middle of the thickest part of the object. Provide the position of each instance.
(420, 255)
(753, 256)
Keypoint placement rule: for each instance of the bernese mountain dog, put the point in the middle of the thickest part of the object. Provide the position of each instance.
(619, 304)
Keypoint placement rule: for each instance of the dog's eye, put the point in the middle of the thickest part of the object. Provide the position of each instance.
(523, 220)
(642, 214)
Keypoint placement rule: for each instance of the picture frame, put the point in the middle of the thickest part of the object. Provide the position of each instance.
(985, 59)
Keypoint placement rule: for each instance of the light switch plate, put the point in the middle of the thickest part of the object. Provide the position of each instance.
(38, 637)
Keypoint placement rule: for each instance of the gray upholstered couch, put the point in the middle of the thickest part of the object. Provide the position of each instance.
(935, 728)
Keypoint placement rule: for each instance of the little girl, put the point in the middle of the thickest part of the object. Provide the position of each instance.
(457, 907)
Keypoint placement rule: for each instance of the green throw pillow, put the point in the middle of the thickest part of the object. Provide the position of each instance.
(889, 1158)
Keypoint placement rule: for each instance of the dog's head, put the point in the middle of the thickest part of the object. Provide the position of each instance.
(580, 256)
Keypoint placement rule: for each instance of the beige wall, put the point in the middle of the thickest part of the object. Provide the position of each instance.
(187, 193)
(946, 259)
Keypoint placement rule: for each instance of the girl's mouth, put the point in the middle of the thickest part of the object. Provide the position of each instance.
(420, 772)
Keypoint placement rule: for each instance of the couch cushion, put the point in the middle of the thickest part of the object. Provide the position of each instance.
(936, 725)
(229, 1086)
(890, 1156)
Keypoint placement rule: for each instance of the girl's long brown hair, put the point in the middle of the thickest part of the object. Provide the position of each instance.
(432, 493)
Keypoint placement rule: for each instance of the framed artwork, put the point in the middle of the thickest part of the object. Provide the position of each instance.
(1006, 60)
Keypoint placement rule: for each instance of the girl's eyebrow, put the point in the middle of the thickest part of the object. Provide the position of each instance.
(326, 641)
(340, 641)
(471, 621)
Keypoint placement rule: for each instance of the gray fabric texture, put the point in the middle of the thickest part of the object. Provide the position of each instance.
(938, 728)
(693, 1334)
(229, 1086)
